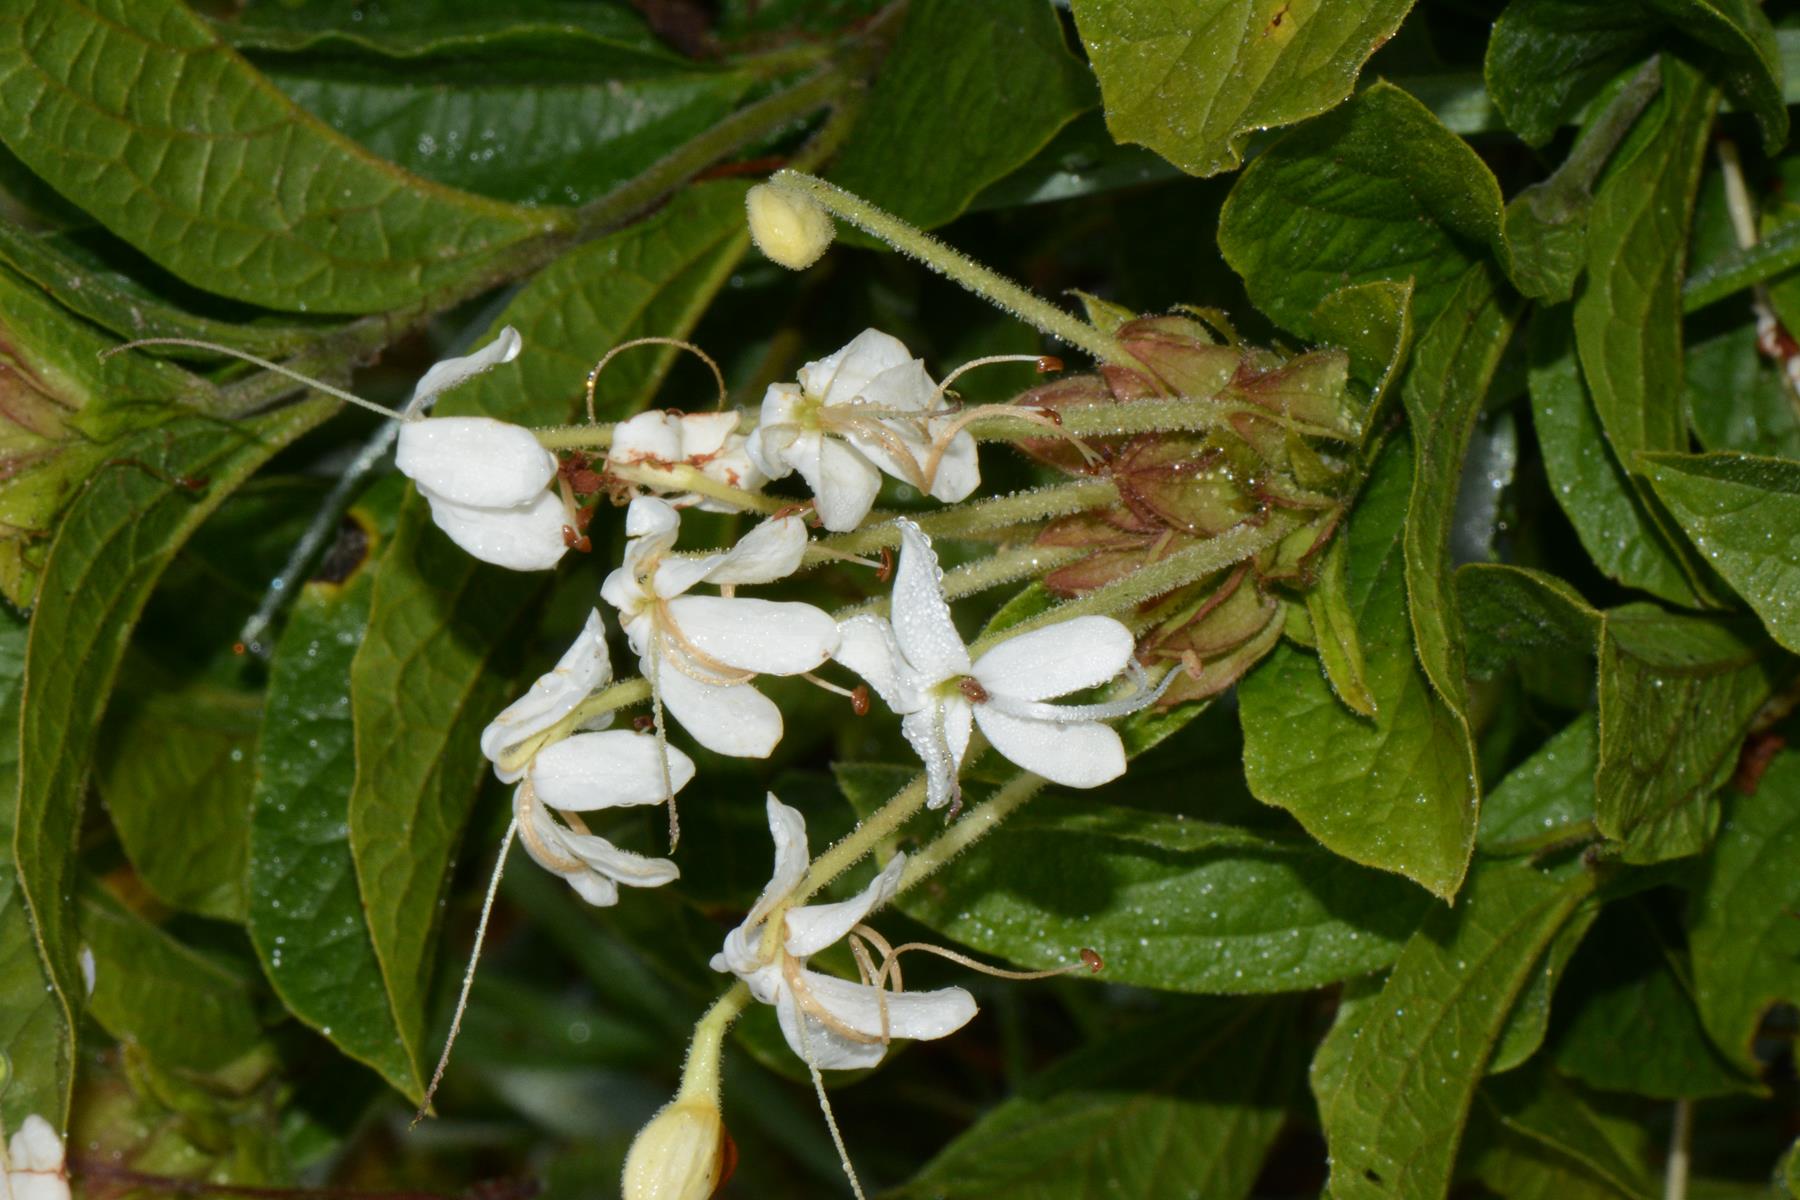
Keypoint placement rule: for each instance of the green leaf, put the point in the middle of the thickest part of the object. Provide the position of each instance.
(1628, 317)
(1373, 323)
(1510, 613)
(1230, 910)
(1543, 1107)
(1378, 190)
(519, 140)
(1547, 58)
(1452, 366)
(35, 1035)
(1529, 1021)
(1334, 633)
(305, 915)
(1394, 1082)
(654, 278)
(1192, 79)
(185, 1010)
(1743, 515)
(1676, 696)
(1737, 398)
(1742, 933)
(1136, 1113)
(1600, 500)
(140, 114)
(1626, 994)
(1548, 798)
(1397, 792)
(970, 93)
(112, 546)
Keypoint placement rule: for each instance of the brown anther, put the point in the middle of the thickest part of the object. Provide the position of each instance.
(789, 510)
(239, 649)
(887, 566)
(1093, 960)
(644, 723)
(1047, 363)
(971, 688)
(859, 699)
(1051, 415)
(575, 540)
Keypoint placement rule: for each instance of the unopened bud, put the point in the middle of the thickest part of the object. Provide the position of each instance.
(790, 227)
(684, 1153)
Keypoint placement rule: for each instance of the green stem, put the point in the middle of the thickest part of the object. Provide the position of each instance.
(959, 268)
(1001, 567)
(976, 518)
(700, 1074)
(974, 826)
(854, 846)
(683, 478)
(1189, 414)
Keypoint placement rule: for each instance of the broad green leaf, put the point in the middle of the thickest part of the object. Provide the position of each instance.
(607, 37)
(1136, 1113)
(1529, 1022)
(1599, 498)
(1543, 1107)
(63, 404)
(1192, 79)
(305, 914)
(521, 140)
(655, 278)
(1547, 58)
(442, 642)
(433, 667)
(1511, 1165)
(81, 278)
(969, 93)
(1676, 697)
(1737, 398)
(1394, 1085)
(1743, 515)
(1378, 190)
(1169, 902)
(1742, 933)
(1445, 388)
(110, 549)
(35, 1035)
(1399, 791)
(1510, 613)
(1549, 797)
(1628, 316)
(1628, 1021)
(1373, 324)
(1334, 633)
(186, 1011)
(136, 110)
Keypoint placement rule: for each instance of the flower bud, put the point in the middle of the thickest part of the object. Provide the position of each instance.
(684, 1153)
(790, 227)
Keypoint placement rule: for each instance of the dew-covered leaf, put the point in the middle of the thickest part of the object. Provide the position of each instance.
(1192, 79)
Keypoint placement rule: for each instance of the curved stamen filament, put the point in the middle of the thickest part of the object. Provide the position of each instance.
(1106, 710)
(594, 375)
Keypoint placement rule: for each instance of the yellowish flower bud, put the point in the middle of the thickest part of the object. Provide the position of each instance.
(684, 1153)
(788, 226)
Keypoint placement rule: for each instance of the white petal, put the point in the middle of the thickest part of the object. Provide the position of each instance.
(706, 433)
(31, 1185)
(939, 734)
(770, 551)
(1057, 659)
(652, 519)
(819, 1045)
(772, 440)
(447, 374)
(839, 378)
(622, 866)
(921, 616)
(866, 645)
(653, 435)
(843, 482)
(736, 720)
(595, 888)
(529, 538)
(886, 457)
(474, 460)
(812, 927)
(1080, 754)
(787, 828)
(732, 467)
(920, 1016)
(905, 387)
(582, 668)
(603, 770)
(766, 636)
(36, 1147)
(958, 471)
(675, 575)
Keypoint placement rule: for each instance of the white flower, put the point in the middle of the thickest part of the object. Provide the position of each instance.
(583, 669)
(700, 652)
(921, 669)
(487, 481)
(585, 773)
(832, 1023)
(659, 440)
(868, 408)
(36, 1169)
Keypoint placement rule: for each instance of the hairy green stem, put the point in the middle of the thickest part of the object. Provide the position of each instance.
(1002, 567)
(957, 267)
(974, 825)
(1188, 414)
(977, 518)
